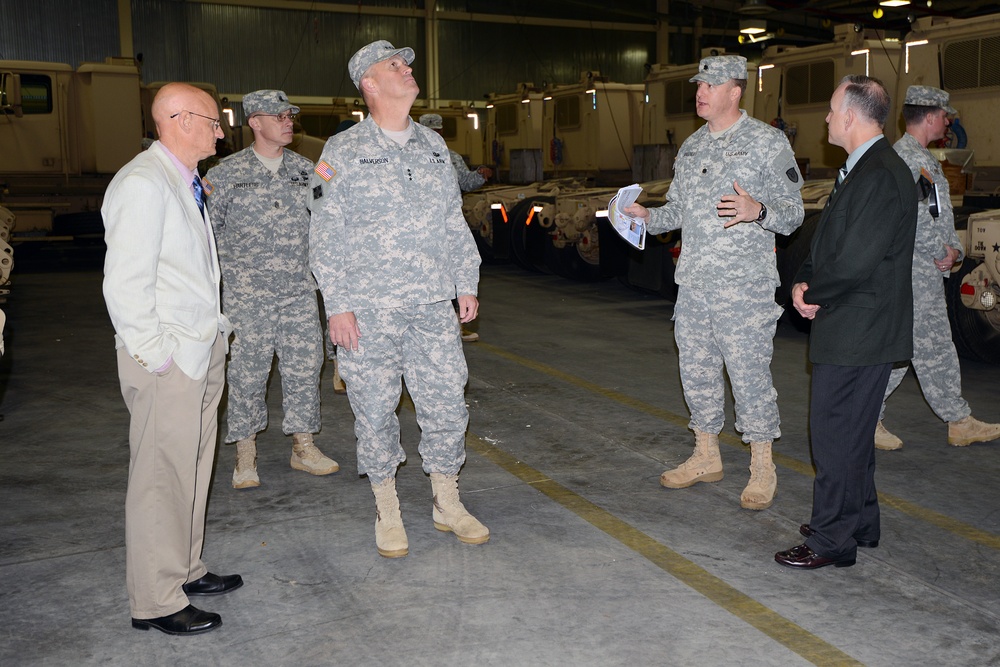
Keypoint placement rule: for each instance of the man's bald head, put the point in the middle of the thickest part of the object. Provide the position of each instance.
(185, 119)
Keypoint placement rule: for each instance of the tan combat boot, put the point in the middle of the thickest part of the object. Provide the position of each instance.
(306, 456)
(969, 430)
(705, 465)
(338, 382)
(885, 440)
(450, 514)
(245, 474)
(759, 493)
(390, 536)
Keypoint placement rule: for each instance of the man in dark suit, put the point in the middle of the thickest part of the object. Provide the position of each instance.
(855, 287)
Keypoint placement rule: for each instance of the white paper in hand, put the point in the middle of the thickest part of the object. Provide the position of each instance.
(633, 230)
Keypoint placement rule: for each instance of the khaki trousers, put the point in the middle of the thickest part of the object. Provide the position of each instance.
(172, 441)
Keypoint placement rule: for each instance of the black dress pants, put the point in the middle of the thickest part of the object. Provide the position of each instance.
(843, 414)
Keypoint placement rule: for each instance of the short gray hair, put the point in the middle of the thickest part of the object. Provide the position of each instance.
(867, 95)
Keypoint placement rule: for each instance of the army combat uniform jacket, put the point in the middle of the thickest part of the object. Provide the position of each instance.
(468, 179)
(933, 233)
(760, 159)
(387, 227)
(934, 357)
(262, 224)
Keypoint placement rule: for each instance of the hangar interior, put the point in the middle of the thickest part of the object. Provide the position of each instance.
(574, 397)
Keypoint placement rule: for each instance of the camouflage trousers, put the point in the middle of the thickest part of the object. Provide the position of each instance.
(935, 360)
(290, 328)
(732, 327)
(420, 344)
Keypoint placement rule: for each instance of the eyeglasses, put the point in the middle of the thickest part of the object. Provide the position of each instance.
(216, 122)
(280, 117)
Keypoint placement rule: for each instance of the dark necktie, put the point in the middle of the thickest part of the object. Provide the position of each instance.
(199, 194)
(841, 175)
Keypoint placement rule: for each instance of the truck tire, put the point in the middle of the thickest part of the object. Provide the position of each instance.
(569, 263)
(528, 242)
(976, 333)
(652, 269)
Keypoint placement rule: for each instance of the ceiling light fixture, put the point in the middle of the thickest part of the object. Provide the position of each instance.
(752, 26)
(754, 39)
(894, 3)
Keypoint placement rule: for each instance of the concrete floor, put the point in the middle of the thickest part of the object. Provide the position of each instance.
(575, 410)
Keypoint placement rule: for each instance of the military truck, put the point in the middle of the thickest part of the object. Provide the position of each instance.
(959, 56)
(794, 86)
(65, 133)
(789, 88)
(514, 134)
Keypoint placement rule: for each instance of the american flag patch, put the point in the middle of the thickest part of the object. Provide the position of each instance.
(325, 171)
(207, 187)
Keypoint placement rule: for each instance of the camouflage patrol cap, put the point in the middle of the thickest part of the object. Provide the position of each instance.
(928, 96)
(719, 69)
(373, 53)
(431, 120)
(267, 101)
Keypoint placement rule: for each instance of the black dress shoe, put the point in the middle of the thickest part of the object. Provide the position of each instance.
(213, 584)
(806, 531)
(188, 621)
(804, 558)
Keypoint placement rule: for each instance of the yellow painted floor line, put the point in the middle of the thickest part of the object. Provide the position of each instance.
(775, 626)
(912, 509)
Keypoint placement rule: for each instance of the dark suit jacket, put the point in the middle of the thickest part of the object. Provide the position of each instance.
(860, 265)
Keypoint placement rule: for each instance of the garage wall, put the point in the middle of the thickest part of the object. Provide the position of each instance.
(306, 52)
(65, 31)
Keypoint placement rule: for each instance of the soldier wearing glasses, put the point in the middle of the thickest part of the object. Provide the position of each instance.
(257, 198)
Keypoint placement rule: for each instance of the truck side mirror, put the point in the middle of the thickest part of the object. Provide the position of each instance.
(10, 94)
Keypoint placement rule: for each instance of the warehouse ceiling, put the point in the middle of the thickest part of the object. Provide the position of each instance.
(814, 19)
(799, 23)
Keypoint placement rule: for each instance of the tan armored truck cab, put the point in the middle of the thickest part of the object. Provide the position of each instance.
(65, 133)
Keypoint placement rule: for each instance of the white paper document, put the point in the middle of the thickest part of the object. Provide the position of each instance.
(633, 230)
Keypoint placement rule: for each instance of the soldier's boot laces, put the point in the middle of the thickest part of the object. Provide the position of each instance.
(886, 440)
(759, 493)
(245, 474)
(705, 465)
(390, 536)
(450, 514)
(307, 457)
(969, 430)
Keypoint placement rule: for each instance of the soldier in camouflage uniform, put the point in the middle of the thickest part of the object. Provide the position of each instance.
(258, 206)
(468, 181)
(937, 249)
(390, 249)
(736, 185)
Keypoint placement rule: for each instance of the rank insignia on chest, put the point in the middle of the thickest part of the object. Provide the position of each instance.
(207, 187)
(325, 171)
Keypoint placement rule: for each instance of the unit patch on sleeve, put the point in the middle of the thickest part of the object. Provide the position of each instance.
(792, 175)
(325, 171)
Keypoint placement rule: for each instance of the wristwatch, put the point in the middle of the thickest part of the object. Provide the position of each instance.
(763, 212)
